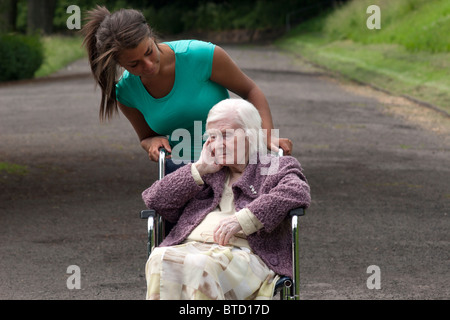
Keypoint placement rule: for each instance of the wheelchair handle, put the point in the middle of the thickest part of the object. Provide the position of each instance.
(145, 214)
(162, 163)
(297, 212)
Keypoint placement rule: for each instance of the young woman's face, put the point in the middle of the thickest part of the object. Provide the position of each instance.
(142, 61)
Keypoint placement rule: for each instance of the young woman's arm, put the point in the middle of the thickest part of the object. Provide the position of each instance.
(226, 73)
(151, 142)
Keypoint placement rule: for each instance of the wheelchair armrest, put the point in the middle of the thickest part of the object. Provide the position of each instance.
(145, 214)
(297, 212)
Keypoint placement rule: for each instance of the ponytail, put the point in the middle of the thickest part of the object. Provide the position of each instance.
(106, 35)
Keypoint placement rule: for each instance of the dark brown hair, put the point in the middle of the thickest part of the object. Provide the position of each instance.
(106, 35)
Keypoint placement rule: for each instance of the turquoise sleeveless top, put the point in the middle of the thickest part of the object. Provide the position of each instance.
(181, 115)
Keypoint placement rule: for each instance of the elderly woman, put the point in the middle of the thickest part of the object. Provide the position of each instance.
(231, 239)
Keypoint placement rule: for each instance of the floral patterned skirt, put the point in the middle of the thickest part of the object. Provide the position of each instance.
(205, 271)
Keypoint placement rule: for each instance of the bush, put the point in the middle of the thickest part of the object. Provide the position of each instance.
(209, 15)
(166, 20)
(20, 56)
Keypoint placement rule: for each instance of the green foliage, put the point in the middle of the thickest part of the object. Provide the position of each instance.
(59, 51)
(20, 56)
(409, 55)
(168, 19)
(181, 16)
(61, 15)
(176, 16)
(418, 25)
(211, 16)
(260, 15)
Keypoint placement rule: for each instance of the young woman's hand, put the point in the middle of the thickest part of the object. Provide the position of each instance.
(153, 144)
(282, 143)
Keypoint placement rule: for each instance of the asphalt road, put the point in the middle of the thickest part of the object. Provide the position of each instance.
(378, 167)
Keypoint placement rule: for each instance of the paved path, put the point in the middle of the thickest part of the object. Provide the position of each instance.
(379, 181)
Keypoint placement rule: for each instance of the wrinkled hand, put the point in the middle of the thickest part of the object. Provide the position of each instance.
(207, 162)
(226, 229)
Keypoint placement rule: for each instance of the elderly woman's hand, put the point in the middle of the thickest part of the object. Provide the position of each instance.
(226, 229)
(207, 162)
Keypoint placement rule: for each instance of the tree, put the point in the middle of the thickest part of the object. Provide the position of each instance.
(40, 16)
(8, 15)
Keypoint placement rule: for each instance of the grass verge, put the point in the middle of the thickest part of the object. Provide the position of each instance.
(59, 51)
(408, 56)
(421, 75)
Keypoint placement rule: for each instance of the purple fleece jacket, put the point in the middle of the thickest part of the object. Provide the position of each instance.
(179, 199)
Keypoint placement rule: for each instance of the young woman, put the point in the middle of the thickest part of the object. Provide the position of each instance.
(165, 86)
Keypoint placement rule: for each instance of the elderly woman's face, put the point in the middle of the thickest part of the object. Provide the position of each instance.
(228, 142)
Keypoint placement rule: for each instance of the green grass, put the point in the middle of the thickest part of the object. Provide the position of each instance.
(13, 169)
(410, 55)
(418, 25)
(59, 51)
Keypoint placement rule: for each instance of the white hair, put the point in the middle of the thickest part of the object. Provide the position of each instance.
(245, 116)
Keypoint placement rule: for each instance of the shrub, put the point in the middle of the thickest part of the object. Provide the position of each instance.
(166, 20)
(20, 56)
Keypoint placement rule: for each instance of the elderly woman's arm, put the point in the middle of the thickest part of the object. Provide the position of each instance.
(169, 195)
(281, 192)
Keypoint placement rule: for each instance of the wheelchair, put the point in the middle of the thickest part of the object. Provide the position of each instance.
(287, 288)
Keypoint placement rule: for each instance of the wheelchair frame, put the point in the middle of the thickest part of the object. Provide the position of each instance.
(289, 288)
